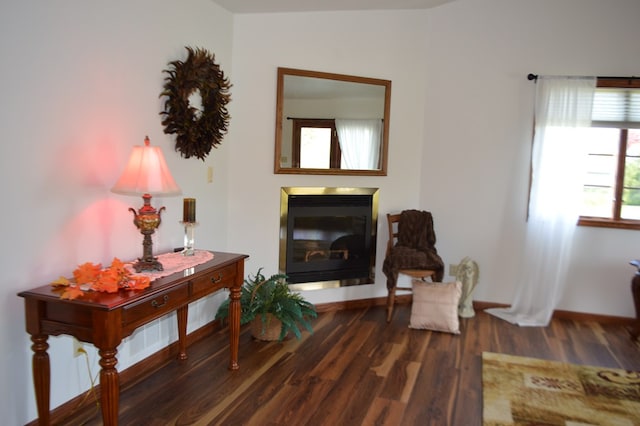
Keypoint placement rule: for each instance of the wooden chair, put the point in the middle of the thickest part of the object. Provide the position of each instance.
(422, 274)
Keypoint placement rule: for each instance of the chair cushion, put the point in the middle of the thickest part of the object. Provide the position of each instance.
(435, 306)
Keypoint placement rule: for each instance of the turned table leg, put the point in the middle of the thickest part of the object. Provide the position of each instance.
(41, 376)
(234, 327)
(182, 314)
(109, 386)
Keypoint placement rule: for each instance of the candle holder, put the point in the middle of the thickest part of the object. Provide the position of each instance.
(189, 238)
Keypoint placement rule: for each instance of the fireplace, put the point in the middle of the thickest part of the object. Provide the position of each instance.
(328, 236)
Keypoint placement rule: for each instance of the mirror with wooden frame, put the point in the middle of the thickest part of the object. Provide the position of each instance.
(331, 124)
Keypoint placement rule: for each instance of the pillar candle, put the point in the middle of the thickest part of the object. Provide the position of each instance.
(189, 210)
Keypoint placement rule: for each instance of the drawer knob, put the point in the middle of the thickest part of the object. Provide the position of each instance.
(155, 303)
(216, 280)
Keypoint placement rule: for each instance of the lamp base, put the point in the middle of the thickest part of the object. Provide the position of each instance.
(144, 265)
(147, 219)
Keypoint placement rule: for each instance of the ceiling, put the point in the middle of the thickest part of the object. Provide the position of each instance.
(277, 6)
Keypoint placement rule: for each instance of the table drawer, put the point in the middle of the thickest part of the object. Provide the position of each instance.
(220, 278)
(156, 306)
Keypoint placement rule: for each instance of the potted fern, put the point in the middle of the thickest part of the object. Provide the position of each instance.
(271, 307)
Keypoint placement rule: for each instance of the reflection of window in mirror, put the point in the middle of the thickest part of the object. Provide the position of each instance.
(336, 143)
(315, 144)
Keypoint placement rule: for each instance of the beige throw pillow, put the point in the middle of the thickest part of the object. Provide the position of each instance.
(435, 306)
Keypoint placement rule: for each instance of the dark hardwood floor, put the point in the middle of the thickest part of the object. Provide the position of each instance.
(355, 369)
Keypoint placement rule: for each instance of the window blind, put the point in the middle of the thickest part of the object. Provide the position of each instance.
(616, 107)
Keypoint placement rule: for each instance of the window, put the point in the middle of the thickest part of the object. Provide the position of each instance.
(611, 196)
(315, 144)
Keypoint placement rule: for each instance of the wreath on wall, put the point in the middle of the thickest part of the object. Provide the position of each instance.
(197, 129)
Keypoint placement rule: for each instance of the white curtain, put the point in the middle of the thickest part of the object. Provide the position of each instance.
(563, 108)
(359, 143)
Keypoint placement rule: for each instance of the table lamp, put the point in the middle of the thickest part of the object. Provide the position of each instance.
(146, 174)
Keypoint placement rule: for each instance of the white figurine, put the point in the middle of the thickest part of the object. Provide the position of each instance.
(467, 273)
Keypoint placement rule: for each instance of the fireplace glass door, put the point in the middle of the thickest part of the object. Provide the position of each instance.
(328, 237)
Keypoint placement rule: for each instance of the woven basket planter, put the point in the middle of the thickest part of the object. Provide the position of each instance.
(267, 332)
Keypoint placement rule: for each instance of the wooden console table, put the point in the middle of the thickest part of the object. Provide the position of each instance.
(104, 319)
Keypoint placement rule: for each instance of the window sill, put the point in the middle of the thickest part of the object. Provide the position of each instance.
(600, 222)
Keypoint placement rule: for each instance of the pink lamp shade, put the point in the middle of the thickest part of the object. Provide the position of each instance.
(146, 173)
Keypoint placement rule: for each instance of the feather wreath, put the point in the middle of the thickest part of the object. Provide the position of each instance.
(197, 130)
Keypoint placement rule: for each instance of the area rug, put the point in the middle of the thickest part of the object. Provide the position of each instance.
(526, 391)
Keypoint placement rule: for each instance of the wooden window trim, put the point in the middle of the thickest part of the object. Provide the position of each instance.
(298, 123)
(621, 82)
(603, 222)
(615, 221)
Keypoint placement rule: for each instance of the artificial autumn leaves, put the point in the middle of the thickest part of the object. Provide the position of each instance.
(93, 277)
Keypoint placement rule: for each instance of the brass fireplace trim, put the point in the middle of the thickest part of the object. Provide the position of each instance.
(286, 191)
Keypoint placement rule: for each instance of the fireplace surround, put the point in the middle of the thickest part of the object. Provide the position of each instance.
(328, 236)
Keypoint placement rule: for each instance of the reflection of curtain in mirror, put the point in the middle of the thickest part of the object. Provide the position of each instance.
(359, 143)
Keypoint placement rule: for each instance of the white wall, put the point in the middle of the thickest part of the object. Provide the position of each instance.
(478, 118)
(80, 86)
(386, 45)
(460, 128)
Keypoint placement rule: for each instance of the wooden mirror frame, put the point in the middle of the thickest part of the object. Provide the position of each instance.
(278, 169)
